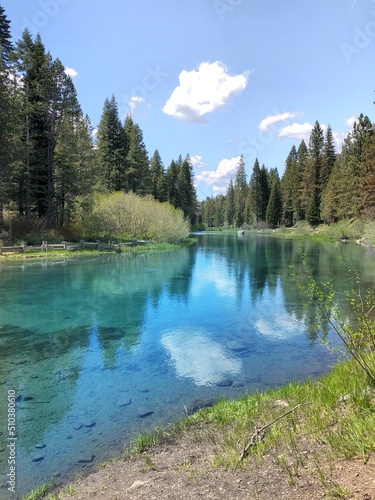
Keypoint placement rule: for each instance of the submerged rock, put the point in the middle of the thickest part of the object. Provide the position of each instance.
(227, 382)
(123, 402)
(86, 460)
(144, 412)
(37, 458)
(198, 404)
(40, 446)
(89, 423)
(23, 398)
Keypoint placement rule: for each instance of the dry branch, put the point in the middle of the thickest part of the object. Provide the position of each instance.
(259, 431)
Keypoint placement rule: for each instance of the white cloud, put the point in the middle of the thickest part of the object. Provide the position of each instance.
(296, 131)
(219, 178)
(350, 121)
(134, 102)
(269, 121)
(203, 91)
(71, 72)
(197, 162)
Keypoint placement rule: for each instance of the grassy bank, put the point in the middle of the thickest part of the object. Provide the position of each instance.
(332, 417)
(71, 254)
(348, 230)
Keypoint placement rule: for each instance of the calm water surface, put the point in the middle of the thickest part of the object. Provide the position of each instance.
(99, 349)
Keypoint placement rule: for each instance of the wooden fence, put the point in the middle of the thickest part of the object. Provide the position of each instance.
(64, 245)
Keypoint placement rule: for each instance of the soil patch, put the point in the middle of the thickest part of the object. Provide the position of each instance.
(183, 469)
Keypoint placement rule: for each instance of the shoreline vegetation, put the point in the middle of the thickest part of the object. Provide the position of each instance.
(314, 439)
(315, 430)
(355, 230)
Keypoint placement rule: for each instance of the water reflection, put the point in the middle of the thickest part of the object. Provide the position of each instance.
(197, 357)
(100, 349)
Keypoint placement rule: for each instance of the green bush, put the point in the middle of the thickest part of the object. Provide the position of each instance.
(129, 216)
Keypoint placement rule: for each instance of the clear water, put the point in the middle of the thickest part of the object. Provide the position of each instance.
(100, 349)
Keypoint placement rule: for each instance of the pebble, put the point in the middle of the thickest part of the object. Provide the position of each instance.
(225, 383)
(86, 460)
(143, 413)
(198, 404)
(123, 402)
(90, 423)
(38, 458)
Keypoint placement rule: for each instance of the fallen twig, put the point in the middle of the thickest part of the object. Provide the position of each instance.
(259, 431)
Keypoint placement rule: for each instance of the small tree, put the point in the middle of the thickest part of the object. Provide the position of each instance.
(357, 336)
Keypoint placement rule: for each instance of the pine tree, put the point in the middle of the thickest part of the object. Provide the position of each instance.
(367, 181)
(265, 183)
(240, 192)
(274, 206)
(9, 116)
(310, 196)
(289, 186)
(186, 190)
(229, 209)
(302, 161)
(137, 163)
(343, 196)
(329, 158)
(33, 64)
(111, 148)
(259, 192)
(75, 174)
(157, 176)
(6, 46)
(172, 184)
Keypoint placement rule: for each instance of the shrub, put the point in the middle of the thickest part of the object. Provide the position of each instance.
(129, 216)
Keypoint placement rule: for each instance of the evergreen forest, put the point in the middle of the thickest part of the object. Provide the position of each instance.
(319, 184)
(55, 172)
(55, 175)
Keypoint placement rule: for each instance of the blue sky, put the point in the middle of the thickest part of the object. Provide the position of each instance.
(215, 78)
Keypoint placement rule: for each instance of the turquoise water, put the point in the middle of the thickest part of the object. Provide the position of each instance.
(99, 349)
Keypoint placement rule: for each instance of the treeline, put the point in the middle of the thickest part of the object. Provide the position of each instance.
(319, 184)
(50, 161)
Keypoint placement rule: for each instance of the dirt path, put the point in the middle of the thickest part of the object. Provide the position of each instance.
(184, 470)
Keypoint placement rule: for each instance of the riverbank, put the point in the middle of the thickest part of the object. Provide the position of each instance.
(344, 231)
(302, 441)
(134, 247)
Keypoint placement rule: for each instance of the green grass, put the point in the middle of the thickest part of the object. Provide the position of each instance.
(72, 254)
(340, 412)
(337, 410)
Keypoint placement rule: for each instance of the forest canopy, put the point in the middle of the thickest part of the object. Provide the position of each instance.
(52, 166)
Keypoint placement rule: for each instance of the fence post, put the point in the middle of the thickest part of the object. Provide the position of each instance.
(23, 246)
(98, 244)
(1, 247)
(65, 245)
(82, 242)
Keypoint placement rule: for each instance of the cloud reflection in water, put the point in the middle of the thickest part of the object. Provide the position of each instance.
(199, 358)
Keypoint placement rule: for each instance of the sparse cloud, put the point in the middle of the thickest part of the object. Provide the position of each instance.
(219, 179)
(197, 162)
(350, 121)
(203, 91)
(134, 102)
(296, 131)
(270, 121)
(71, 72)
